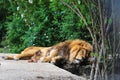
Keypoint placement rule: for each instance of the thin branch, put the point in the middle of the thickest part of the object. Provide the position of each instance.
(109, 44)
(108, 27)
(114, 37)
(97, 65)
(81, 16)
(92, 71)
(118, 46)
(101, 21)
(70, 7)
(102, 35)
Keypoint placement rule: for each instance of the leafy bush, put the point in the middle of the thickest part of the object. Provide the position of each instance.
(41, 23)
(3, 15)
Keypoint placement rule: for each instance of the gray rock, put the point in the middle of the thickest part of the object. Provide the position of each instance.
(22, 70)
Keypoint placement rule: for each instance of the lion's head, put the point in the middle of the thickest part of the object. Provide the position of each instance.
(80, 50)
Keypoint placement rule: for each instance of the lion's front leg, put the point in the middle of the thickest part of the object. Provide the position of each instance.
(45, 59)
(55, 59)
(49, 56)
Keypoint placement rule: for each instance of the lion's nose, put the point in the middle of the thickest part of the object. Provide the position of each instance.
(78, 61)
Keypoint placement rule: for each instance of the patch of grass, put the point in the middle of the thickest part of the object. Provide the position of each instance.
(1, 50)
(4, 50)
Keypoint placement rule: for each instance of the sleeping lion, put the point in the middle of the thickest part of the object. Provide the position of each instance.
(71, 50)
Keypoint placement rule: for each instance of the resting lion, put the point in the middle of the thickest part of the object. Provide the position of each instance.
(71, 50)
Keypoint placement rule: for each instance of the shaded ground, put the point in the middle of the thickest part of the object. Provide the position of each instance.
(22, 70)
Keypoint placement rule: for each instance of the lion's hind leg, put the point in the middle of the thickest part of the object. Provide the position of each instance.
(16, 57)
(24, 56)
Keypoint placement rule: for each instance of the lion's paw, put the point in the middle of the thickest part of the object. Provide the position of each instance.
(15, 58)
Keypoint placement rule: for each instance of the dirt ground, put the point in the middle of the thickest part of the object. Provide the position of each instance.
(22, 70)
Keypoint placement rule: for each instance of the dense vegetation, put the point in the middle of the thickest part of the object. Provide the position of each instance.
(39, 22)
(26, 23)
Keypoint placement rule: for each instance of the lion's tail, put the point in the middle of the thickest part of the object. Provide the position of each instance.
(10, 57)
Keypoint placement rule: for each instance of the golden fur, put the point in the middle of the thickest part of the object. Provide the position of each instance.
(71, 50)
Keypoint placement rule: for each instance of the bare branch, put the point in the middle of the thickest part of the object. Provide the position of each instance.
(81, 16)
(103, 37)
(108, 27)
(97, 65)
(70, 7)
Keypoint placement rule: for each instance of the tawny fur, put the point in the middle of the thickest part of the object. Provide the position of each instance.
(69, 49)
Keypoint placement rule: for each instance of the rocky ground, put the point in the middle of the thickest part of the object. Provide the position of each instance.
(22, 70)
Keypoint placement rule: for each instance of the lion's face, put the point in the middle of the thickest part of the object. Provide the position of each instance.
(79, 50)
(81, 55)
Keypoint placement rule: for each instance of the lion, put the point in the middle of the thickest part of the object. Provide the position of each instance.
(71, 50)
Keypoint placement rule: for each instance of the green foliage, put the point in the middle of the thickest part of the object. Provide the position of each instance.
(41, 23)
(3, 14)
